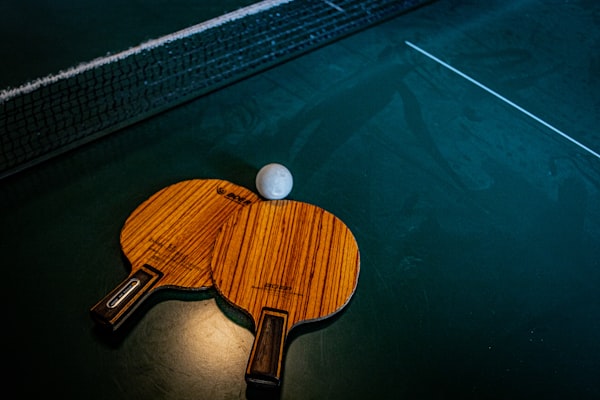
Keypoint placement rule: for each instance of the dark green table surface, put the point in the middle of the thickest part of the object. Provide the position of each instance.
(479, 227)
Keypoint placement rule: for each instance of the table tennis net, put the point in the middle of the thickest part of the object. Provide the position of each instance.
(47, 117)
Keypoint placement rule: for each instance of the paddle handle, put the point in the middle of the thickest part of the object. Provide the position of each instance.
(119, 304)
(266, 358)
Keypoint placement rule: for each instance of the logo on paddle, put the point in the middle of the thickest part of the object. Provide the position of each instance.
(233, 197)
(275, 287)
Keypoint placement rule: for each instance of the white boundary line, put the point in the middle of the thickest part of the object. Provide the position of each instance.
(192, 30)
(504, 99)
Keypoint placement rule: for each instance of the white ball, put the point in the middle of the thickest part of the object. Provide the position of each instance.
(274, 181)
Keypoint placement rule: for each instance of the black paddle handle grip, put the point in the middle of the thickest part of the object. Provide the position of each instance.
(119, 304)
(266, 359)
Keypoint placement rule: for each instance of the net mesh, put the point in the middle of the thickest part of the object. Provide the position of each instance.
(61, 112)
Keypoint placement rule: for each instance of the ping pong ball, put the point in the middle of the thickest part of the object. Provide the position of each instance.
(274, 181)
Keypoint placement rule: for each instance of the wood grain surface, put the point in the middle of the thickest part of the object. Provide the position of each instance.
(284, 262)
(168, 240)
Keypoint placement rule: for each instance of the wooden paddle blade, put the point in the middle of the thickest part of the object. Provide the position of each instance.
(266, 358)
(286, 255)
(170, 236)
(118, 305)
(284, 263)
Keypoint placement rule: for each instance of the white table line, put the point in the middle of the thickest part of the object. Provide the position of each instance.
(504, 99)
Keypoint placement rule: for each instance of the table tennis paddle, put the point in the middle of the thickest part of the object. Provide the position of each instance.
(283, 262)
(168, 240)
